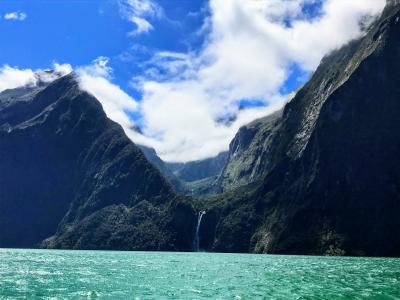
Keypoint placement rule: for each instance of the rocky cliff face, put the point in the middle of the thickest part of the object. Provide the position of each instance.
(258, 147)
(69, 172)
(249, 153)
(331, 185)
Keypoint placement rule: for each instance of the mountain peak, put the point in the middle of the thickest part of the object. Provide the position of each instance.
(43, 77)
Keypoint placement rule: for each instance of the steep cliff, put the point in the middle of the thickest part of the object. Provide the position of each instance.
(67, 170)
(249, 153)
(331, 185)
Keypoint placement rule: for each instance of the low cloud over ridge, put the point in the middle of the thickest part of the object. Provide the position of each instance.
(14, 77)
(248, 54)
(191, 102)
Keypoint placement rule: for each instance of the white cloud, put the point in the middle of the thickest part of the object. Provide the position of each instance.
(13, 77)
(247, 56)
(136, 11)
(15, 16)
(96, 79)
(58, 70)
(62, 69)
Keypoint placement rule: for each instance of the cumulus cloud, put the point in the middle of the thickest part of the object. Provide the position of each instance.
(96, 79)
(13, 77)
(137, 12)
(15, 16)
(62, 69)
(247, 55)
(191, 102)
(57, 71)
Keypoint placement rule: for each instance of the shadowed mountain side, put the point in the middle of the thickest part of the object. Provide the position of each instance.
(153, 158)
(333, 182)
(64, 163)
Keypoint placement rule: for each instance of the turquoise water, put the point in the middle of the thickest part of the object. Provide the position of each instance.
(47, 274)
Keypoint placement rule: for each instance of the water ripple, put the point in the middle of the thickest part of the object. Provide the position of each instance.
(44, 274)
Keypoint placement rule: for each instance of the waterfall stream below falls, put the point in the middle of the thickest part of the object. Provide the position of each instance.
(196, 241)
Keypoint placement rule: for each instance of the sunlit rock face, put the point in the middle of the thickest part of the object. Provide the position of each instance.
(249, 157)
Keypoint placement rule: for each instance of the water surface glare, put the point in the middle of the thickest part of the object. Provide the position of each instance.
(51, 274)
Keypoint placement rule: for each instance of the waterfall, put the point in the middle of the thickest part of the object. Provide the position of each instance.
(196, 242)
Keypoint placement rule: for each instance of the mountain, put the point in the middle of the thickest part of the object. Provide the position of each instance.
(70, 176)
(157, 162)
(195, 178)
(321, 176)
(200, 169)
(248, 157)
(200, 178)
(328, 167)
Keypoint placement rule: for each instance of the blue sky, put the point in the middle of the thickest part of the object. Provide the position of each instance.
(176, 68)
(77, 32)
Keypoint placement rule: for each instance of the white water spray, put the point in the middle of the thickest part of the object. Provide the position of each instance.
(196, 242)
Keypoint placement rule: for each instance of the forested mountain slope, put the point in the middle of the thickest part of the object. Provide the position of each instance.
(69, 171)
